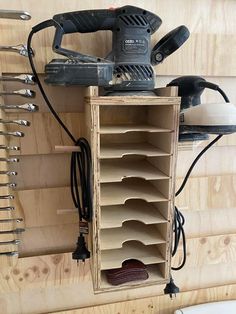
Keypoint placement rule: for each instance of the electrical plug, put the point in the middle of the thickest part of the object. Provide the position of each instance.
(171, 288)
(81, 252)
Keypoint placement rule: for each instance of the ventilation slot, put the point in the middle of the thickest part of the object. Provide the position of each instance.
(135, 72)
(135, 20)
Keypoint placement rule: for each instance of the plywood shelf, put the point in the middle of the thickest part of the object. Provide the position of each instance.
(119, 193)
(124, 149)
(111, 259)
(154, 274)
(114, 216)
(121, 129)
(116, 170)
(114, 238)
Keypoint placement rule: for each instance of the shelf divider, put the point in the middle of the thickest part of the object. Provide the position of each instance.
(119, 193)
(131, 230)
(116, 170)
(111, 259)
(124, 149)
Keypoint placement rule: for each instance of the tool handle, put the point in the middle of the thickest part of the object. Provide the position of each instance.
(86, 21)
(169, 44)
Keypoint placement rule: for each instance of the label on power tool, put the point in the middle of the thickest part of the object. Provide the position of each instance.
(135, 45)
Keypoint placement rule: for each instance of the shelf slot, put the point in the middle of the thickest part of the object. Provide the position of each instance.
(114, 216)
(154, 272)
(114, 238)
(125, 128)
(119, 193)
(111, 259)
(117, 170)
(124, 149)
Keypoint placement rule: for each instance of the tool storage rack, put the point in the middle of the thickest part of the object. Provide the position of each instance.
(134, 143)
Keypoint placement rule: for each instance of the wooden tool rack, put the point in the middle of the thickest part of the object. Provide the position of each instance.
(134, 142)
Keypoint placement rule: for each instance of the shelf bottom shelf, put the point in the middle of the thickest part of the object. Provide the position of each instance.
(155, 277)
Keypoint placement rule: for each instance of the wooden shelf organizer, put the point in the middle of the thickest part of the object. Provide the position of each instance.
(134, 143)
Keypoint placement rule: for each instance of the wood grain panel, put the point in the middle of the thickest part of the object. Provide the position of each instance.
(55, 282)
(209, 222)
(42, 171)
(161, 304)
(48, 239)
(63, 99)
(209, 250)
(45, 132)
(213, 192)
(47, 207)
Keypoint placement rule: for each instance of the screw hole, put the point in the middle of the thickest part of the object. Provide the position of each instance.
(144, 12)
(118, 29)
(123, 11)
(118, 75)
(56, 46)
(98, 60)
(148, 30)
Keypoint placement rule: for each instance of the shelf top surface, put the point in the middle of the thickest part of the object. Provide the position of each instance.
(114, 216)
(111, 259)
(125, 128)
(132, 230)
(124, 149)
(116, 170)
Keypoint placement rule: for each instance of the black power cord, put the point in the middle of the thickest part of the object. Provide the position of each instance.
(80, 161)
(178, 221)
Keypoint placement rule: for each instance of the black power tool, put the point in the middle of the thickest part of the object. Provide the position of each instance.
(129, 66)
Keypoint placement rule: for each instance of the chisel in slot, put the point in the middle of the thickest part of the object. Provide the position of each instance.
(7, 208)
(23, 78)
(20, 49)
(9, 147)
(28, 93)
(8, 173)
(15, 15)
(8, 185)
(13, 159)
(18, 122)
(15, 134)
(14, 242)
(27, 107)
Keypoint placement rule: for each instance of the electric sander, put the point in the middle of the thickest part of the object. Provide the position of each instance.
(129, 66)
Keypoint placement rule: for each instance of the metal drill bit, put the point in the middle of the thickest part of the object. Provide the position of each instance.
(23, 78)
(12, 159)
(14, 242)
(18, 122)
(7, 197)
(28, 93)
(8, 184)
(8, 173)
(16, 134)
(14, 231)
(11, 219)
(21, 49)
(15, 14)
(7, 208)
(9, 147)
(27, 107)
(10, 253)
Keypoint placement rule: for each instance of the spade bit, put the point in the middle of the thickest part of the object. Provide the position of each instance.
(21, 49)
(23, 78)
(28, 93)
(19, 122)
(12, 159)
(27, 107)
(8, 184)
(16, 134)
(8, 173)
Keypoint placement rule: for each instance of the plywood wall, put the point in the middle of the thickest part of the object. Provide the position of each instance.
(51, 283)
